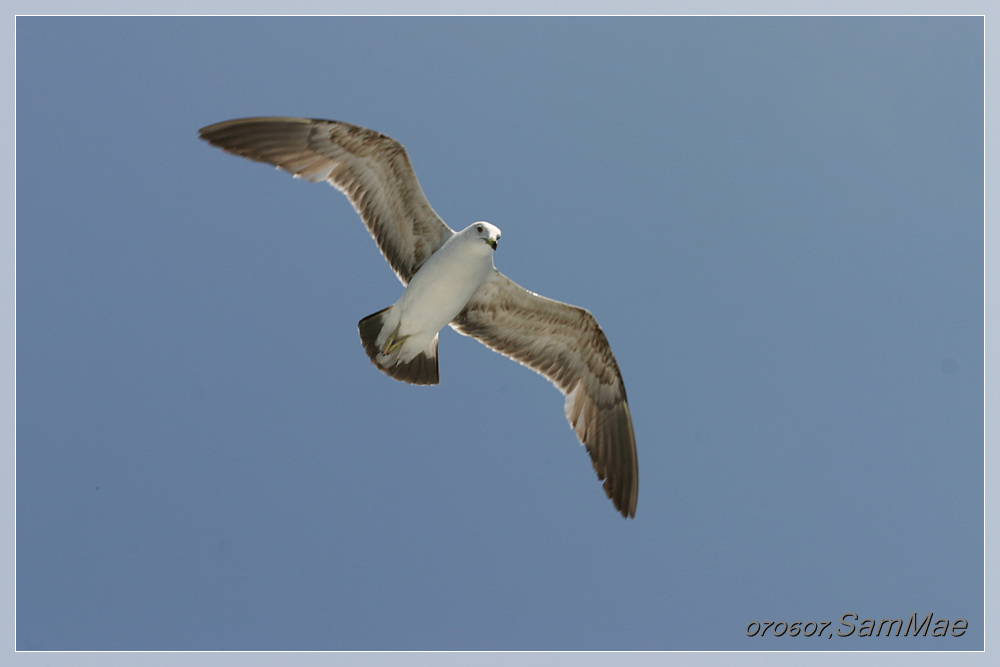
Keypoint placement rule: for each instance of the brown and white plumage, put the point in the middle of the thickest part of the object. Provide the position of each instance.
(370, 168)
(562, 342)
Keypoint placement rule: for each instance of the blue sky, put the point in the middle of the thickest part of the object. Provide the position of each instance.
(778, 223)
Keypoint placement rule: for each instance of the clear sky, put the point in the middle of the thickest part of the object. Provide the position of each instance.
(778, 223)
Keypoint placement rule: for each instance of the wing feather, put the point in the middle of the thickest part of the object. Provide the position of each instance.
(565, 344)
(372, 169)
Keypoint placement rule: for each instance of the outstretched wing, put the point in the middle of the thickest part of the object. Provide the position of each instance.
(370, 168)
(565, 344)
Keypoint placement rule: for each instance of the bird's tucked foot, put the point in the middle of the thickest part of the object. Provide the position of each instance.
(394, 342)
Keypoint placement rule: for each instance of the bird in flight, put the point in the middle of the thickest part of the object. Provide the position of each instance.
(450, 279)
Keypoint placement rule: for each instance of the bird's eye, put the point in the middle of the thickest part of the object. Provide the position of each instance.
(479, 229)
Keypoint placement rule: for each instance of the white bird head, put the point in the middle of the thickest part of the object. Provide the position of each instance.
(485, 231)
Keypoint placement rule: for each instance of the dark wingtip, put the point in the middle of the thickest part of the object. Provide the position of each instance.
(624, 505)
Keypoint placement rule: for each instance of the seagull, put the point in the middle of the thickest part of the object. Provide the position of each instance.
(450, 280)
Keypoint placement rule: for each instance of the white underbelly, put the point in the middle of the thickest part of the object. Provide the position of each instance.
(438, 292)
